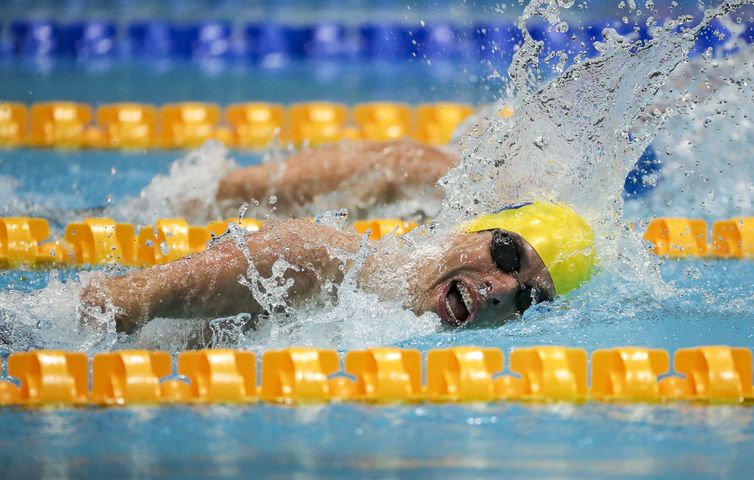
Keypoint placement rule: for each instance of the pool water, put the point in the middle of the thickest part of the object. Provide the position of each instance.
(410, 81)
(696, 302)
(361, 441)
(420, 441)
(700, 301)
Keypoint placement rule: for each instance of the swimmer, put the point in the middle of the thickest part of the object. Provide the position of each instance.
(488, 269)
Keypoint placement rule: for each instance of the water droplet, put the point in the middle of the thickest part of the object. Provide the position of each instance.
(541, 141)
(242, 211)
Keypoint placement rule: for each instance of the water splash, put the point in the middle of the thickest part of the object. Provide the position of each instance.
(343, 315)
(188, 191)
(575, 139)
(572, 140)
(49, 318)
(706, 152)
(569, 140)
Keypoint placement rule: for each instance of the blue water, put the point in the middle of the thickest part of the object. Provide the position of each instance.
(163, 82)
(344, 441)
(418, 441)
(710, 303)
(356, 441)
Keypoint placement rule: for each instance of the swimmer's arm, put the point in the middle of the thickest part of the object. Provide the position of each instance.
(321, 170)
(207, 284)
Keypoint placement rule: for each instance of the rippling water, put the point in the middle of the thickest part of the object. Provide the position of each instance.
(573, 139)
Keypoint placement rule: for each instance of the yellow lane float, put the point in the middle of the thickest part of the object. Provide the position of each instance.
(380, 375)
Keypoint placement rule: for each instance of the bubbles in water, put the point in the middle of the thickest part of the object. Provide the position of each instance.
(49, 318)
(716, 126)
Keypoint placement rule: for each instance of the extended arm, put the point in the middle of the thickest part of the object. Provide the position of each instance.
(321, 170)
(207, 284)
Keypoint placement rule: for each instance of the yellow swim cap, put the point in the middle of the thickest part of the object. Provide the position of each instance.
(561, 237)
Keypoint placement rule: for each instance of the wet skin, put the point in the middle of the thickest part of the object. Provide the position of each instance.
(373, 172)
(463, 285)
(467, 287)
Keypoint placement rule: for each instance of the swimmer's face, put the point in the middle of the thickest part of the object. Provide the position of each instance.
(486, 277)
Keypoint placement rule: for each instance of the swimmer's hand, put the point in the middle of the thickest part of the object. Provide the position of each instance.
(100, 300)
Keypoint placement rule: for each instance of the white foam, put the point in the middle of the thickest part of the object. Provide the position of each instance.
(50, 318)
(188, 191)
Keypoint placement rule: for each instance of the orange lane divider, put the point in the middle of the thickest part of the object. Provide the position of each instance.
(129, 376)
(250, 125)
(733, 238)
(628, 373)
(255, 124)
(50, 377)
(298, 375)
(220, 227)
(382, 121)
(13, 124)
(678, 237)
(385, 374)
(189, 124)
(438, 121)
(99, 241)
(711, 373)
(219, 375)
(170, 239)
(380, 375)
(463, 374)
(548, 373)
(317, 123)
(383, 226)
(20, 240)
(59, 124)
(127, 125)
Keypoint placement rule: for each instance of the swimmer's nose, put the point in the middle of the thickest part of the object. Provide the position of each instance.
(500, 294)
(506, 297)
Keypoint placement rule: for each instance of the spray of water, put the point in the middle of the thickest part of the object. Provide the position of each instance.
(188, 191)
(572, 140)
(706, 152)
(575, 139)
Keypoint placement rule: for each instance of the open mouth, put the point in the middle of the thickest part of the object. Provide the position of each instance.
(458, 303)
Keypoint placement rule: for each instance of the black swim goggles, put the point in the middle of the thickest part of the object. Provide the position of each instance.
(508, 253)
